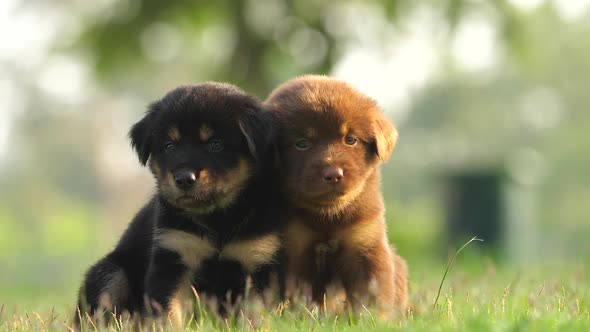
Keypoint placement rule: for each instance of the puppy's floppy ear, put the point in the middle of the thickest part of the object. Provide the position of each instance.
(256, 126)
(385, 136)
(140, 135)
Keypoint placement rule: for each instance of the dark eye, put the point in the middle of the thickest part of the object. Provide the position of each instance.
(302, 144)
(215, 145)
(169, 147)
(350, 140)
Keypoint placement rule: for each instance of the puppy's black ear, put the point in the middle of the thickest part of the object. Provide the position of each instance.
(140, 135)
(385, 136)
(257, 126)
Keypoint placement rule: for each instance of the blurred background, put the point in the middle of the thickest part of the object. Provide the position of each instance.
(490, 98)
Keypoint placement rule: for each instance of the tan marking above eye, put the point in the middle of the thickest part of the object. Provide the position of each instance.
(205, 132)
(193, 249)
(310, 133)
(174, 134)
(254, 252)
(344, 130)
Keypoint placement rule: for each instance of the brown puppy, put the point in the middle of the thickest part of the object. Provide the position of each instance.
(332, 139)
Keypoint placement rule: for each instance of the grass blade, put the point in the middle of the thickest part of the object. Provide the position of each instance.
(449, 267)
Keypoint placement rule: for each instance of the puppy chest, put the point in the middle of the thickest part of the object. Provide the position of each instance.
(320, 251)
(252, 253)
(194, 249)
(324, 253)
(302, 239)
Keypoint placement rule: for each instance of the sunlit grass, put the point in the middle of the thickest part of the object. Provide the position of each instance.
(486, 297)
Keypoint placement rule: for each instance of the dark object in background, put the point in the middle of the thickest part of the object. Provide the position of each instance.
(474, 205)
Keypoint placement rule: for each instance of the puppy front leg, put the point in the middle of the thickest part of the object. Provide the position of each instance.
(370, 274)
(355, 281)
(383, 272)
(401, 283)
(167, 285)
(318, 292)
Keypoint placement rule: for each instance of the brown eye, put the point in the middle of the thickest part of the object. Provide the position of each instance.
(302, 144)
(169, 147)
(350, 140)
(215, 145)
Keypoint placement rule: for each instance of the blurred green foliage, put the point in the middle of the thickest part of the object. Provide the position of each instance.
(258, 60)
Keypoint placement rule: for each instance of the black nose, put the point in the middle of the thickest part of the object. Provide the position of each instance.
(184, 179)
(332, 174)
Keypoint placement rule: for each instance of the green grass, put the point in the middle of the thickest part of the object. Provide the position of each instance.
(477, 295)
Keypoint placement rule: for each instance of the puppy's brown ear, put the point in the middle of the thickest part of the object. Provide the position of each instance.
(385, 136)
(141, 134)
(256, 126)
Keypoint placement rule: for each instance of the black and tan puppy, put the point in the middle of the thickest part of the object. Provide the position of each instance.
(332, 139)
(212, 222)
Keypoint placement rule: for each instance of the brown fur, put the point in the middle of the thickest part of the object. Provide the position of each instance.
(336, 233)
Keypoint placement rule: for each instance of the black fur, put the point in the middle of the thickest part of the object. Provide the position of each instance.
(151, 270)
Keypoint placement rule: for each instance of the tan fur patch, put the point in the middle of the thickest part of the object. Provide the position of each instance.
(363, 234)
(166, 183)
(233, 182)
(115, 291)
(180, 303)
(253, 253)
(205, 132)
(231, 185)
(174, 134)
(343, 202)
(155, 168)
(204, 176)
(343, 129)
(338, 206)
(192, 248)
(310, 133)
